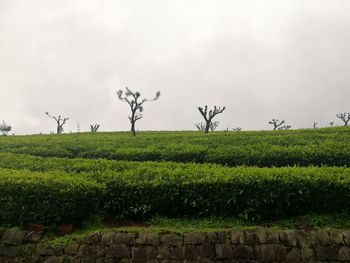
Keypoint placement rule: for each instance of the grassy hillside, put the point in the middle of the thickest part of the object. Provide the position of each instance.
(329, 147)
(54, 179)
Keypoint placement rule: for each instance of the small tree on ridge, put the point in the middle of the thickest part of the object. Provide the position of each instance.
(59, 121)
(209, 115)
(136, 105)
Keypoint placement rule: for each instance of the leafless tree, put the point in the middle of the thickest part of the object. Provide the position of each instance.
(285, 127)
(209, 116)
(345, 117)
(276, 123)
(237, 129)
(135, 102)
(315, 125)
(4, 128)
(94, 127)
(201, 126)
(60, 121)
(331, 123)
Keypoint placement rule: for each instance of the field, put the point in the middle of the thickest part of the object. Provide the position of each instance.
(260, 176)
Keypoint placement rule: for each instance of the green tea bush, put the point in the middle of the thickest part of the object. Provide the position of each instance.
(317, 147)
(70, 190)
(46, 198)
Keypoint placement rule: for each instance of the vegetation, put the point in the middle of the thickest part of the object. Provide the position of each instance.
(322, 146)
(246, 177)
(208, 118)
(133, 99)
(4, 128)
(60, 122)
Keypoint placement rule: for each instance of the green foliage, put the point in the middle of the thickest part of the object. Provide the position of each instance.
(316, 147)
(46, 198)
(69, 190)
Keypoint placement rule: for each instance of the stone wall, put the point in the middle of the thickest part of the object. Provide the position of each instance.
(258, 245)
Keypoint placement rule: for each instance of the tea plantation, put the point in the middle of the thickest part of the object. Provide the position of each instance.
(259, 176)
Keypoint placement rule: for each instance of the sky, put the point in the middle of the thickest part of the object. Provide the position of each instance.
(285, 59)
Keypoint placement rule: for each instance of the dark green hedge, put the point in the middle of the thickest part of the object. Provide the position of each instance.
(46, 198)
(69, 191)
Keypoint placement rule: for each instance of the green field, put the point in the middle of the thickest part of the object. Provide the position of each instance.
(260, 176)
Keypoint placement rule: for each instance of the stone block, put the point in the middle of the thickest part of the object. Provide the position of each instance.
(263, 236)
(270, 252)
(13, 236)
(71, 249)
(118, 251)
(326, 253)
(307, 254)
(194, 238)
(163, 252)
(294, 255)
(9, 251)
(143, 253)
(171, 239)
(243, 251)
(344, 254)
(125, 238)
(320, 238)
(223, 251)
(206, 250)
(107, 239)
(292, 238)
(147, 239)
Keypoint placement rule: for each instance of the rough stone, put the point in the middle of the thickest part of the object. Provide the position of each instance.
(194, 238)
(292, 238)
(326, 253)
(336, 238)
(143, 253)
(93, 238)
(125, 238)
(181, 253)
(320, 238)
(344, 254)
(294, 255)
(263, 236)
(346, 237)
(223, 251)
(271, 252)
(46, 251)
(307, 254)
(118, 251)
(34, 259)
(147, 239)
(243, 251)
(97, 250)
(171, 239)
(13, 236)
(71, 249)
(9, 251)
(163, 252)
(207, 250)
(108, 238)
(243, 237)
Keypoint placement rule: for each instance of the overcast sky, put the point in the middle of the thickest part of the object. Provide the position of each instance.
(286, 59)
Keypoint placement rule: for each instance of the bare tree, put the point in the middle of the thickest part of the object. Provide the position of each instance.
(4, 128)
(209, 116)
(60, 121)
(212, 127)
(276, 123)
(136, 104)
(345, 117)
(315, 125)
(285, 127)
(331, 123)
(237, 129)
(94, 127)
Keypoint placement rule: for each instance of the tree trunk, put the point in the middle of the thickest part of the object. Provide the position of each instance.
(133, 128)
(207, 126)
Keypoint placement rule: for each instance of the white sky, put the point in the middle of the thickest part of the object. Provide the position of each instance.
(287, 59)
